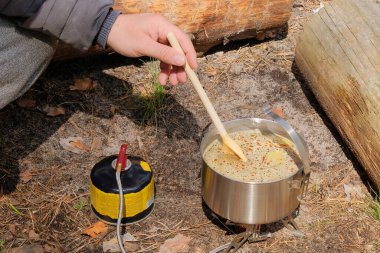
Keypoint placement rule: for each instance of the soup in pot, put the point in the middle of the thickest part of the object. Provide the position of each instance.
(270, 157)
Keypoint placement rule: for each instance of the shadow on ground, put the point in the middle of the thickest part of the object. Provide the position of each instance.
(24, 130)
(227, 45)
(264, 229)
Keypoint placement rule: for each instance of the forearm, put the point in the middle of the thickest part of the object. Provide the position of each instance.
(76, 22)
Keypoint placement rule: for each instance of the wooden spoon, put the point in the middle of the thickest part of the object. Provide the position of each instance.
(227, 140)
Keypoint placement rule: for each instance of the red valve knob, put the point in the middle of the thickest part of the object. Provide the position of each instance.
(122, 158)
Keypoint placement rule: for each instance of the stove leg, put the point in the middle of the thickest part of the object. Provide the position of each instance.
(251, 235)
(257, 236)
(238, 241)
(290, 224)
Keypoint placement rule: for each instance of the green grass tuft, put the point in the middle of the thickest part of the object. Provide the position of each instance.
(14, 209)
(375, 208)
(80, 204)
(2, 244)
(154, 100)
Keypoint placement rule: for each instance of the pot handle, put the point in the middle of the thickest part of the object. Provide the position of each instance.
(298, 141)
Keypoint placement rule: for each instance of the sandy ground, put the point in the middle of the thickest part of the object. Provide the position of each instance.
(49, 206)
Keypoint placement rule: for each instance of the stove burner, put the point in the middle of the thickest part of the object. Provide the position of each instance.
(252, 235)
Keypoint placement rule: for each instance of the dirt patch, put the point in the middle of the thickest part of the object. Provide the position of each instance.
(54, 202)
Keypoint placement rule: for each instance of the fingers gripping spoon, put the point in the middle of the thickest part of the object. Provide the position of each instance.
(227, 140)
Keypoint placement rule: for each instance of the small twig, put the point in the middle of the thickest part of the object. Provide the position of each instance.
(148, 249)
(178, 224)
(32, 219)
(77, 127)
(162, 224)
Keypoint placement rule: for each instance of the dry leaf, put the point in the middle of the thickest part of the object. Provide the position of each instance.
(143, 91)
(179, 243)
(96, 143)
(49, 248)
(54, 111)
(33, 235)
(139, 141)
(7, 236)
(279, 112)
(113, 109)
(131, 247)
(98, 228)
(78, 144)
(26, 103)
(211, 71)
(113, 246)
(74, 144)
(12, 228)
(32, 248)
(83, 84)
(26, 176)
(129, 238)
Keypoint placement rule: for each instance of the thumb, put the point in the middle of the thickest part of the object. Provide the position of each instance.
(165, 54)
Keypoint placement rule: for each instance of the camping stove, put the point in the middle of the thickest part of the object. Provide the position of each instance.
(249, 204)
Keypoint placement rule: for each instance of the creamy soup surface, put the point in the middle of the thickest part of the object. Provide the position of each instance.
(270, 157)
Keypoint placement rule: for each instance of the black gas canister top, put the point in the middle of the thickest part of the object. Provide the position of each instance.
(133, 179)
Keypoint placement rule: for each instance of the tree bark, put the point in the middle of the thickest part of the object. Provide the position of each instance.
(339, 54)
(209, 22)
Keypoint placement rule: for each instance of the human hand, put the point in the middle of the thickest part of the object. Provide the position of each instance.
(135, 35)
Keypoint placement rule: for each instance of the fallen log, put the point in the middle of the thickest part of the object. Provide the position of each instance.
(338, 53)
(209, 22)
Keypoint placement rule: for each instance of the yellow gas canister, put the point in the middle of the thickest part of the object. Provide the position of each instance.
(137, 186)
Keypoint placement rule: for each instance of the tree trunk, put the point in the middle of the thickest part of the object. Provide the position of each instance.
(209, 22)
(339, 54)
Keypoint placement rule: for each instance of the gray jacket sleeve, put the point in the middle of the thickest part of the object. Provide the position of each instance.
(76, 22)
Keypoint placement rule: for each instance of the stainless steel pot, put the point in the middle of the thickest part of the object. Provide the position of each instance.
(250, 202)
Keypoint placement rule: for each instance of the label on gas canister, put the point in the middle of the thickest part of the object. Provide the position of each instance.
(108, 203)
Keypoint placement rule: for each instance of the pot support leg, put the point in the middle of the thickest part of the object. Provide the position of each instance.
(290, 224)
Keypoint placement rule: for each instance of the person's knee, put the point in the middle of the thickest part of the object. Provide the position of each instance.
(24, 55)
